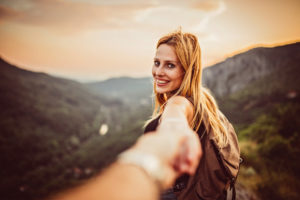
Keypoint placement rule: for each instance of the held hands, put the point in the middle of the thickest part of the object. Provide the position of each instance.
(178, 150)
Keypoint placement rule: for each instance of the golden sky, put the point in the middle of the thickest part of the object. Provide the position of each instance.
(97, 39)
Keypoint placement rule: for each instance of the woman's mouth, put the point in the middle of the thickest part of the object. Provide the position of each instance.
(161, 83)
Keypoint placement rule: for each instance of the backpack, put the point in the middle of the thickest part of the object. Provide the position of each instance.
(218, 169)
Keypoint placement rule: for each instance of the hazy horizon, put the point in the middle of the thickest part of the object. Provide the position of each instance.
(85, 80)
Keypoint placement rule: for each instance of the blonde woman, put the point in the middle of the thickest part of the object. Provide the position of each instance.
(181, 100)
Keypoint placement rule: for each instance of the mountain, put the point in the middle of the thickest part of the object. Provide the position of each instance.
(237, 72)
(251, 83)
(30, 101)
(129, 90)
(50, 132)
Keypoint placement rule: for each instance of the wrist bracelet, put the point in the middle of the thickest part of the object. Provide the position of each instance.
(147, 162)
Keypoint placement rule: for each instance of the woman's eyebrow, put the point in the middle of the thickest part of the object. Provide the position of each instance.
(172, 61)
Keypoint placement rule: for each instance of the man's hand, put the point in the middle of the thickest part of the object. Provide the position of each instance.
(179, 151)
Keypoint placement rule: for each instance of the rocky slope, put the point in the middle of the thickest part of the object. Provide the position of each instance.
(239, 71)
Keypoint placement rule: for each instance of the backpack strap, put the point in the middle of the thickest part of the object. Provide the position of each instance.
(232, 179)
(232, 185)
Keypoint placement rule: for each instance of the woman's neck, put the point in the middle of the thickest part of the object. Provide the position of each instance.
(170, 94)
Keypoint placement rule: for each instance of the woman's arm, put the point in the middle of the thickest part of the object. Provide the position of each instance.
(177, 117)
(179, 110)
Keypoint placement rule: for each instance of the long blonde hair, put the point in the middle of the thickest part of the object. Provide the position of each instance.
(188, 51)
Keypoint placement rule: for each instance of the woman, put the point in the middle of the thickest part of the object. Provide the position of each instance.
(181, 100)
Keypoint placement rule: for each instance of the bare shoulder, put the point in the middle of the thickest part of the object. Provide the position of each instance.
(180, 100)
(183, 102)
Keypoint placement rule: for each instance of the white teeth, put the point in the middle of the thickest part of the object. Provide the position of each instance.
(161, 82)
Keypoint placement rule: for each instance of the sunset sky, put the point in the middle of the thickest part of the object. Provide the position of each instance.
(96, 39)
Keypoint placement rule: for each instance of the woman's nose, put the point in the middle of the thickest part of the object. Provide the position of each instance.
(159, 71)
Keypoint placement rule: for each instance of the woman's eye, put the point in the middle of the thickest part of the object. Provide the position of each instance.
(156, 63)
(170, 65)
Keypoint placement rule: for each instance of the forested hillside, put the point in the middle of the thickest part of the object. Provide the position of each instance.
(50, 132)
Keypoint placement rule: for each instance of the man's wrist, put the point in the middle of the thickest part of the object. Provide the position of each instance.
(149, 163)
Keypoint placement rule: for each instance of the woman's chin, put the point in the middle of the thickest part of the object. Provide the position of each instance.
(165, 91)
(161, 91)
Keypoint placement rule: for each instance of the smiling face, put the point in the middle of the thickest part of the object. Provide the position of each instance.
(167, 71)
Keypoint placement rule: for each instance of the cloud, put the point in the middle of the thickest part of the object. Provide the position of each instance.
(7, 13)
(215, 8)
(68, 16)
(207, 5)
(74, 16)
(192, 15)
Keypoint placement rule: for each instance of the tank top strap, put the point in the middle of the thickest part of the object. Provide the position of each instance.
(190, 99)
(152, 125)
